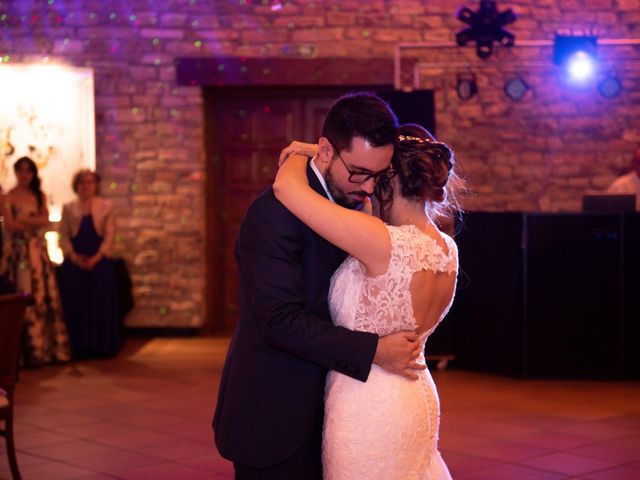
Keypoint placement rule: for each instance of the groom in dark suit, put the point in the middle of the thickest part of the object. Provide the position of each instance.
(269, 415)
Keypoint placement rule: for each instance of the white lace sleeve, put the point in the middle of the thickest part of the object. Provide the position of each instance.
(385, 305)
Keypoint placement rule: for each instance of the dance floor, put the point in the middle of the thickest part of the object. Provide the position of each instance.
(147, 415)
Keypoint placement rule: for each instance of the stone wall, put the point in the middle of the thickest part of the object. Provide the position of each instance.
(540, 153)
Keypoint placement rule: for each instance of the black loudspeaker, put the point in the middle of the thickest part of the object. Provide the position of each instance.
(548, 295)
(572, 285)
(487, 310)
(631, 305)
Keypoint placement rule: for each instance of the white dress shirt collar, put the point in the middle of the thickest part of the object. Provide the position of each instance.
(321, 178)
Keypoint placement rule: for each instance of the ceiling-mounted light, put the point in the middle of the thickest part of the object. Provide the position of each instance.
(610, 86)
(576, 54)
(466, 86)
(515, 88)
(485, 27)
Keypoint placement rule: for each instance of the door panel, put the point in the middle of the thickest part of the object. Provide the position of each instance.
(245, 130)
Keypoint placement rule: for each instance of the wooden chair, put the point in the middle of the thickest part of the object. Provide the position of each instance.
(12, 308)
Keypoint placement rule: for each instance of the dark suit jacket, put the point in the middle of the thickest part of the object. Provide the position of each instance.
(272, 386)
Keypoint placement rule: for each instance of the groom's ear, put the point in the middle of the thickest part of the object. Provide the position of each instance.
(325, 151)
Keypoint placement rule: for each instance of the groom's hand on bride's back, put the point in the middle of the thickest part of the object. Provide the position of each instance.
(398, 353)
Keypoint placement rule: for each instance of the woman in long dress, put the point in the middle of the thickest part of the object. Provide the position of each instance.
(401, 275)
(25, 262)
(87, 275)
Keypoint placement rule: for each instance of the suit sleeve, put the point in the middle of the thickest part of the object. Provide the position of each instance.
(271, 263)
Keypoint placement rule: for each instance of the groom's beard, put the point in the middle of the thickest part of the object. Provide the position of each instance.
(352, 200)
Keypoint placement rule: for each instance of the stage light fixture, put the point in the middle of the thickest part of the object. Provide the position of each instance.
(576, 54)
(580, 66)
(610, 86)
(485, 27)
(466, 86)
(516, 88)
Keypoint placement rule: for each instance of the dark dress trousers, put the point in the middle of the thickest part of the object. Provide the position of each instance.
(270, 401)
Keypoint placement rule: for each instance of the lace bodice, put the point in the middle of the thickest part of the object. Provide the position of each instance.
(387, 427)
(382, 304)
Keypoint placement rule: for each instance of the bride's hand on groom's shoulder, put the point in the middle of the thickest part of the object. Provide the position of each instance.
(398, 353)
(367, 206)
(301, 148)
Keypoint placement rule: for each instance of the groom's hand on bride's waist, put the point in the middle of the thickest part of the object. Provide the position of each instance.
(398, 353)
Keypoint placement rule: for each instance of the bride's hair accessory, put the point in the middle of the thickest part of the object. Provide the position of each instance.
(409, 138)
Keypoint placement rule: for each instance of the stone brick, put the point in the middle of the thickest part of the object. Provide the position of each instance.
(67, 46)
(217, 34)
(628, 5)
(173, 20)
(317, 35)
(407, 8)
(144, 19)
(125, 115)
(79, 18)
(299, 22)
(286, 8)
(161, 33)
(113, 101)
(151, 165)
(598, 4)
(157, 59)
(568, 5)
(437, 34)
(109, 33)
(397, 35)
(429, 21)
(344, 19)
(260, 35)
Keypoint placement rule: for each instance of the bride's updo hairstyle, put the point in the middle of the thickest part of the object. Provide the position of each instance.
(424, 169)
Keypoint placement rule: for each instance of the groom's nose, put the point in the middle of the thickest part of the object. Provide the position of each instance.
(368, 186)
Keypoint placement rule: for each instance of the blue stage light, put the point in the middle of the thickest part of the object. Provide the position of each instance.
(577, 56)
(580, 66)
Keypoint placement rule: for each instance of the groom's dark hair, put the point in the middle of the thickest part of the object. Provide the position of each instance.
(360, 114)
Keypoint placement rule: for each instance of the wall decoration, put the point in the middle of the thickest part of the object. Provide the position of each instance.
(47, 113)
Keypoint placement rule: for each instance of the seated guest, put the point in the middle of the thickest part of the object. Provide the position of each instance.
(629, 183)
(87, 275)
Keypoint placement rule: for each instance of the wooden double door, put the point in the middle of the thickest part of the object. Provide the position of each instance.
(246, 128)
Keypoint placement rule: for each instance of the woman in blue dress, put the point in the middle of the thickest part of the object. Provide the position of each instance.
(87, 275)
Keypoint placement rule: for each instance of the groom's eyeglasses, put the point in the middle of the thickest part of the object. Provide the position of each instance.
(361, 177)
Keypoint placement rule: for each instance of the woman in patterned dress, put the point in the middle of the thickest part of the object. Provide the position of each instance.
(26, 263)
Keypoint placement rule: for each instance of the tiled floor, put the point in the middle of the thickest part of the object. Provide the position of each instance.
(146, 415)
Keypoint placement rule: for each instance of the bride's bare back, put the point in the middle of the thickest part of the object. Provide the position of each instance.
(431, 292)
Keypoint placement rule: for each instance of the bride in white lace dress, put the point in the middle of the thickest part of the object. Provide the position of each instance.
(401, 275)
